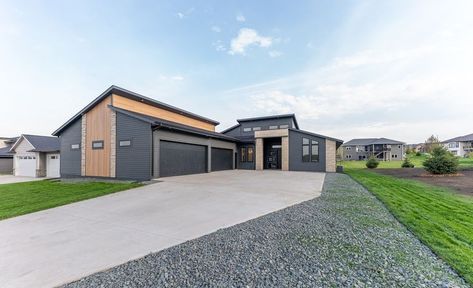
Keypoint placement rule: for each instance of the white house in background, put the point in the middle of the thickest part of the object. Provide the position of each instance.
(460, 146)
(36, 156)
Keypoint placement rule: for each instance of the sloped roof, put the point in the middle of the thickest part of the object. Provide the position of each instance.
(174, 126)
(5, 152)
(372, 141)
(135, 96)
(293, 116)
(463, 138)
(40, 143)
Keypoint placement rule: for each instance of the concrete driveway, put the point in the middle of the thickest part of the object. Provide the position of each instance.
(7, 179)
(62, 244)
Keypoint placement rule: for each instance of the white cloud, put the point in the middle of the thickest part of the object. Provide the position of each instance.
(240, 18)
(275, 53)
(247, 37)
(216, 29)
(218, 45)
(184, 14)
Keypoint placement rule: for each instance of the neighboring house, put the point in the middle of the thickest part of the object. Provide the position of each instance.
(416, 147)
(124, 135)
(6, 158)
(460, 146)
(36, 156)
(381, 148)
(276, 142)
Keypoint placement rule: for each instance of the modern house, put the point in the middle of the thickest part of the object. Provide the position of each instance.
(381, 148)
(6, 158)
(125, 135)
(36, 156)
(460, 146)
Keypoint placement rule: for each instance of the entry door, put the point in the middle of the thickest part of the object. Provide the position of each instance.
(52, 166)
(274, 158)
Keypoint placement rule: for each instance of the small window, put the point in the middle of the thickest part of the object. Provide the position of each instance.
(246, 129)
(125, 143)
(75, 146)
(256, 128)
(273, 127)
(243, 154)
(97, 144)
(305, 150)
(314, 155)
(249, 158)
(283, 126)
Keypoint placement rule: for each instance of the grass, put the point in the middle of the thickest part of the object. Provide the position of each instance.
(416, 160)
(438, 217)
(27, 197)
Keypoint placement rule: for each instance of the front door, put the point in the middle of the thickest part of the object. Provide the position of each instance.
(273, 160)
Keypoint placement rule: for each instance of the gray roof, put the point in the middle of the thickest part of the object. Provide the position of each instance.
(5, 152)
(293, 116)
(135, 96)
(372, 141)
(464, 138)
(40, 143)
(161, 123)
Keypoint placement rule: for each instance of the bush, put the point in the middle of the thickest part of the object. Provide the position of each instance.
(441, 162)
(418, 154)
(407, 163)
(372, 163)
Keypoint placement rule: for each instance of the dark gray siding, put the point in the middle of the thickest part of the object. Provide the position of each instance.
(181, 159)
(133, 162)
(222, 159)
(235, 132)
(70, 159)
(263, 124)
(295, 153)
(6, 165)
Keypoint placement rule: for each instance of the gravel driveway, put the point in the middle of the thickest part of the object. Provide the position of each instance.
(344, 238)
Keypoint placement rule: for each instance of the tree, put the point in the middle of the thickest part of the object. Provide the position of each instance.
(431, 143)
(441, 162)
(372, 163)
(407, 163)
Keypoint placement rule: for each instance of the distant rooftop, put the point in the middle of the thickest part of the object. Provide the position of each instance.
(464, 138)
(372, 141)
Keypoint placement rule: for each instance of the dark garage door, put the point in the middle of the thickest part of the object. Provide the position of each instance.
(181, 159)
(222, 159)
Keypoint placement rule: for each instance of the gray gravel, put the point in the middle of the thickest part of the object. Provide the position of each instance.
(343, 238)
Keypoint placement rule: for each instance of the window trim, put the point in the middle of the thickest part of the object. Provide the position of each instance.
(308, 150)
(312, 144)
(284, 126)
(97, 142)
(247, 129)
(257, 128)
(243, 154)
(75, 148)
(125, 140)
(273, 127)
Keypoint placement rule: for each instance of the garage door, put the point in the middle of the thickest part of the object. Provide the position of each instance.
(25, 166)
(222, 159)
(181, 159)
(52, 166)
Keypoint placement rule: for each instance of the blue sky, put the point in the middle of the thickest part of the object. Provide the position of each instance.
(397, 69)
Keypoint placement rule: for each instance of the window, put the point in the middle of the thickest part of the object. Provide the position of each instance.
(246, 129)
(243, 154)
(125, 143)
(314, 155)
(283, 126)
(305, 150)
(54, 157)
(348, 148)
(75, 146)
(348, 156)
(97, 144)
(273, 127)
(256, 128)
(249, 158)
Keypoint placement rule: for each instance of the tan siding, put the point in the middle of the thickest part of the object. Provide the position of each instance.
(138, 107)
(331, 156)
(98, 127)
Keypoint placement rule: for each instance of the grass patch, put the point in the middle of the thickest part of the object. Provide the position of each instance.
(27, 197)
(464, 163)
(440, 218)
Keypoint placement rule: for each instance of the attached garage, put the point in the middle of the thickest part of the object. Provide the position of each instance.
(181, 158)
(52, 166)
(25, 166)
(222, 159)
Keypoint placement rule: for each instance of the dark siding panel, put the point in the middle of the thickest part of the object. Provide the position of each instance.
(70, 159)
(264, 124)
(222, 159)
(246, 165)
(181, 159)
(133, 162)
(235, 132)
(295, 153)
(6, 165)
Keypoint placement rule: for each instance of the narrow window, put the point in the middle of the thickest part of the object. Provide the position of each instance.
(314, 156)
(273, 127)
(246, 129)
(283, 126)
(243, 154)
(75, 146)
(305, 150)
(125, 143)
(97, 144)
(250, 154)
(256, 128)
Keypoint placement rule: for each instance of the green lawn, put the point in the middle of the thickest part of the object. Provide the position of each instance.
(438, 217)
(417, 160)
(22, 198)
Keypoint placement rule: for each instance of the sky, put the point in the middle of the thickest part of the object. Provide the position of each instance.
(398, 69)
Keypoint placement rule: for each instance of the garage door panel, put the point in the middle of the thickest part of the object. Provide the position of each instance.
(222, 159)
(25, 165)
(181, 159)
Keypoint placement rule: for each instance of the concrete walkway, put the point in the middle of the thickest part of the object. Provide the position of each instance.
(62, 244)
(7, 179)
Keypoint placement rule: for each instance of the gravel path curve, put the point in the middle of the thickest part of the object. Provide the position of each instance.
(346, 237)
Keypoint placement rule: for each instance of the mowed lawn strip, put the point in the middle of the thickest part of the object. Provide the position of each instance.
(464, 163)
(27, 197)
(438, 217)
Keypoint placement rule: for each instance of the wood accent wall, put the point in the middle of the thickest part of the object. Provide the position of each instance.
(138, 107)
(98, 127)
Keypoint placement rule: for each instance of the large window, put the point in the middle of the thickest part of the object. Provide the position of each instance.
(314, 154)
(250, 156)
(243, 154)
(247, 154)
(305, 150)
